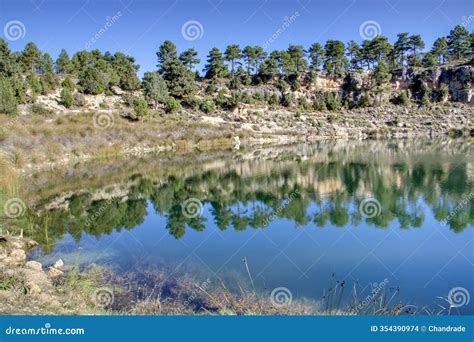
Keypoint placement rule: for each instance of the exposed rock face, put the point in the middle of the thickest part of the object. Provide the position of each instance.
(459, 81)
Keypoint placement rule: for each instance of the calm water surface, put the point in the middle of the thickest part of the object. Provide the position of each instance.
(359, 212)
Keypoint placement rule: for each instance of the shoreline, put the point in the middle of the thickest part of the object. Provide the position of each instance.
(73, 138)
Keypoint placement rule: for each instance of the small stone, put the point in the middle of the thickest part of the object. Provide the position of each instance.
(54, 273)
(59, 264)
(33, 288)
(18, 256)
(34, 265)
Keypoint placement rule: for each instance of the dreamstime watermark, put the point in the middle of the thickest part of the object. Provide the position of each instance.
(458, 296)
(369, 29)
(103, 120)
(204, 285)
(191, 208)
(192, 30)
(287, 21)
(461, 205)
(277, 212)
(103, 297)
(281, 296)
(370, 207)
(109, 22)
(98, 213)
(466, 21)
(46, 330)
(376, 289)
(14, 208)
(14, 30)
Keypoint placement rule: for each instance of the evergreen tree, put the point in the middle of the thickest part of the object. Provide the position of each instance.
(401, 47)
(154, 88)
(180, 80)
(232, 55)
(316, 56)
(66, 98)
(31, 58)
(440, 50)
(7, 63)
(215, 67)
(459, 43)
(126, 70)
(297, 54)
(416, 43)
(335, 62)
(63, 63)
(189, 58)
(8, 102)
(354, 52)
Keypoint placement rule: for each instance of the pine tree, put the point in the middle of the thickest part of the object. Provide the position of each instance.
(8, 102)
(155, 88)
(232, 54)
(335, 62)
(316, 56)
(63, 63)
(31, 58)
(354, 52)
(440, 50)
(215, 67)
(401, 47)
(459, 43)
(189, 58)
(180, 80)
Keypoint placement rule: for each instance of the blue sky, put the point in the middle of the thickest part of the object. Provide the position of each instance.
(142, 25)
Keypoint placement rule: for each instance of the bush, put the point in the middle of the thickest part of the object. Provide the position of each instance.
(402, 99)
(140, 106)
(207, 106)
(441, 94)
(40, 110)
(273, 100)
(67, 98)
(68, 83)
(287, 100)
(171, 105)
(364, 101)
(333, 101)
(8, 103)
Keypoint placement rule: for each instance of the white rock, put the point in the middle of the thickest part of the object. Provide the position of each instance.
(59, 264)
(54, 273)
(34, 265)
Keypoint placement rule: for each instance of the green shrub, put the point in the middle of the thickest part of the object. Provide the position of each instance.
(207, 106)
(68, 83)
(140, 106)
(67, 98)
(8, 102)
(441, 93)
(40, 110)
(402, 99)
(287, 100)
(171, 105)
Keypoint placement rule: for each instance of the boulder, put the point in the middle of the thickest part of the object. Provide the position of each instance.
(59, 264)
(34, 265)
(54, 273)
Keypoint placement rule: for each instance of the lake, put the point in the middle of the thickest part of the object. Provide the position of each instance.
(392, 214)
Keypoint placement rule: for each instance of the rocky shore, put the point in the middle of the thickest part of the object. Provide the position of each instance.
(27, 287)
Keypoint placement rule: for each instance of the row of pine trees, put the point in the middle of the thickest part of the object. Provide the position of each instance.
(28, 73)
